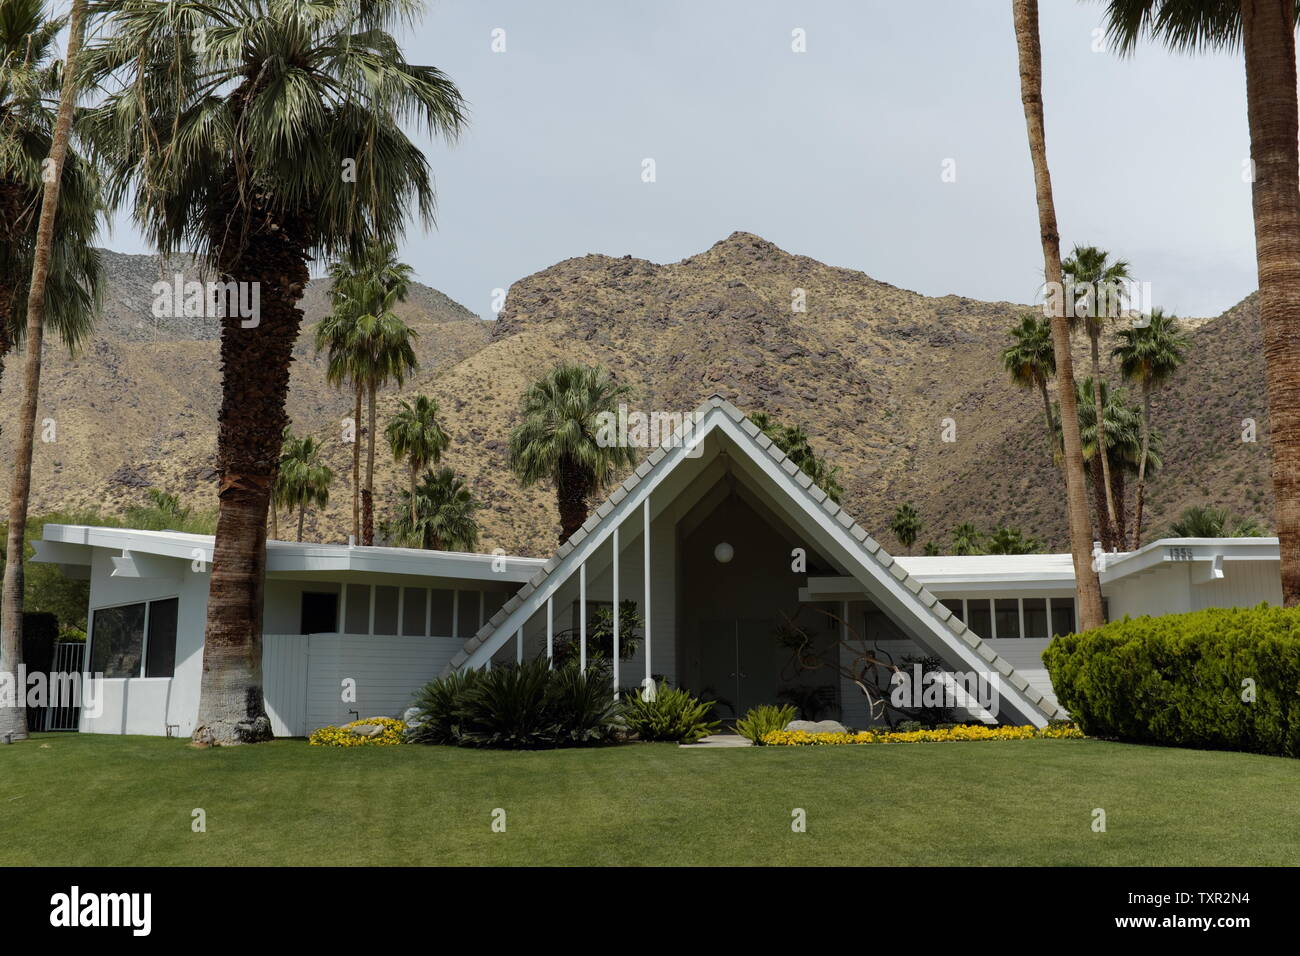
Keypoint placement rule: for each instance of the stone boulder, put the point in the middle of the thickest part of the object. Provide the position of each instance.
(817, 726)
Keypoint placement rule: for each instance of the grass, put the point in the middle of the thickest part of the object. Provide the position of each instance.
(98, 800)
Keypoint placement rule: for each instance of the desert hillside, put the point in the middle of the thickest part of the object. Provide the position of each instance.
(870, 370)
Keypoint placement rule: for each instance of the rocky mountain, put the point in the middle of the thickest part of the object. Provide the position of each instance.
(877, 375)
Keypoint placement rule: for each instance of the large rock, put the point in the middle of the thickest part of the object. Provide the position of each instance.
(818, 726)
(411, 717)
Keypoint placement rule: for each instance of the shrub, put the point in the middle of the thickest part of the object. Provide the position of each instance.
(524, 706)
(954, 732)
(674, 714)
(1182, 679)
(344, 737)
(763, 720)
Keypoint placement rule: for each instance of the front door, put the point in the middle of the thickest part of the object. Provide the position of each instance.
(739, 665)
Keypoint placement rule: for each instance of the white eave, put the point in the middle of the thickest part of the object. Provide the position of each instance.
(72, 544)
(1211, 551)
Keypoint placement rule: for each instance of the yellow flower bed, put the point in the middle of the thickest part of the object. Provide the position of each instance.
(801, 738)
(344, 737)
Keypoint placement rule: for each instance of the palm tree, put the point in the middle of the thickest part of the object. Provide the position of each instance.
(1149, 355)
(1032, 364)
(438, 514)
(304, 479)
(966, 539)
(415, 435)
(379, 352)
(794, 441)
(1122, 433)
(1030, 55)
(1007, 540)
(1094, 281)
(906, 525)
(1203, 521)
(358, 283)
(556, 438)
(13, 720)
(30, 80)
(1265, 32)
(261, 134)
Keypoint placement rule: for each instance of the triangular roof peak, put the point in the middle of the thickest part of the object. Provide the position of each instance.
(883, 577)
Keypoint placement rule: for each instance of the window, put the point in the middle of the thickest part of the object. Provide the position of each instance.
(413, 609)
(357, 616)
(117, 640)
(160, 649)
(385, 610)
(1062, 616)
(1036, 617)
(441, 612)
(320, 612)
(955, 607)
(468, 605)
(981, 619)
(1007, 612)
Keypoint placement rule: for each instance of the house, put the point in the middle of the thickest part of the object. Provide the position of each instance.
(718, 539)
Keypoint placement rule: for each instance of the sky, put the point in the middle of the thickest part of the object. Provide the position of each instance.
(839, 152)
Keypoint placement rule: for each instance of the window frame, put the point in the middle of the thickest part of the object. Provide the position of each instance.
(144, 638)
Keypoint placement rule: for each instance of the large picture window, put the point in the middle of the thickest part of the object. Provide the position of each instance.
(135, 640)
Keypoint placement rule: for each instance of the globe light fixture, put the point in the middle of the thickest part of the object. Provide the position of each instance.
(724, 552)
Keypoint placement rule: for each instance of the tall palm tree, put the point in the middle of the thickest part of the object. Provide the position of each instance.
(30, 80)
(1030, 55)
(1032, 363)
(303, 480)
(1095, 282)
(794, 441)
(438, 514)
(378, 352)
(556, 438)
(906, 525)
(415, 435)
(1008, 540)
(1265, 32)
(1149, 355)
(261, 134)
(13, 720)
(358, 283)
(966, 539)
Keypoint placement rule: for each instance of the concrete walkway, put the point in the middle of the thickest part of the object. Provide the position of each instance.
(722, 740)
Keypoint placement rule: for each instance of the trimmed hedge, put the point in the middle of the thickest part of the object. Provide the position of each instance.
(1183, 679)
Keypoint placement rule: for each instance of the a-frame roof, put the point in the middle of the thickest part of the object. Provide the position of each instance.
(883, 577)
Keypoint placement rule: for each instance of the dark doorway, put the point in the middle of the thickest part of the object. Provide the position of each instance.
(320, 612)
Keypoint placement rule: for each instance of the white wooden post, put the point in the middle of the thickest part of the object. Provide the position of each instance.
(455, 613)
(646, 513)
(1020, 606)
(616, 614)
(1049, 616)
(428, 613)
(993, 619)
(550, 631)
(519, 646)
(582, 617)
(371, 626)
(341, 622)
(401, 607)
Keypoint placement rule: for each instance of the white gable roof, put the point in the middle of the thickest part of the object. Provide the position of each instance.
(809, 507)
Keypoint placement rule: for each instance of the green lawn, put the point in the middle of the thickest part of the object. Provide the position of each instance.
(97, 800)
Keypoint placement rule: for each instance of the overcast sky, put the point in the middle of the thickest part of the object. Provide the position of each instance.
(836, 153)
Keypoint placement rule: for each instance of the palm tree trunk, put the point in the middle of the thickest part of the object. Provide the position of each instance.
(1099, 410)
(414, 514)
(571, 499)
(368, 495)
(1142, 463)
(302, 514)
(1268, 35)
(1087, 587)
(1051, 422)
(255, 364)
(13, 720)
(1099, 503)
(1121, 515)
(275, 522)
(356, 468)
